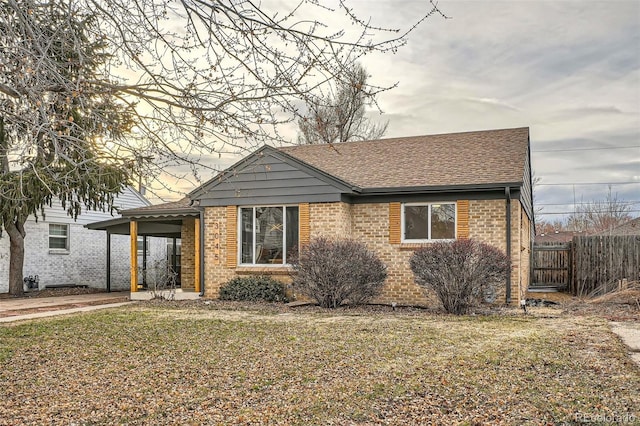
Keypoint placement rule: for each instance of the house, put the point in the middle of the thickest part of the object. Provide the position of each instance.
(631, 227)
(395, 195)
(61, 251)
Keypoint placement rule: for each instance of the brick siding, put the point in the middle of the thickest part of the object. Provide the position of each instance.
(85, 263)
(187, 258)
(216, 271)
(370, 224)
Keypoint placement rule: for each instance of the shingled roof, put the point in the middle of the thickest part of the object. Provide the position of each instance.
(480, 157)
(631, 227)
(182, 206)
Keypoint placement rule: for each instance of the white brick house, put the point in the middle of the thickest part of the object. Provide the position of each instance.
(62, 251)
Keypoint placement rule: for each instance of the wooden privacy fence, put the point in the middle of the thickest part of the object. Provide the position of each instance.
(552, 266)
(600, 261)
(587, 265)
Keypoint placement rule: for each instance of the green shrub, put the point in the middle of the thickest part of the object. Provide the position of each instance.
(460, 273)
(336, 272)
(258, 288)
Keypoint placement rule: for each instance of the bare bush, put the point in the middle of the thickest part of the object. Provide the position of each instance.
(161, 280)
(460, 272)
(336, 272)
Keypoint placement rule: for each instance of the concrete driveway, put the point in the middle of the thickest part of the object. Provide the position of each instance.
(629, 332)
(39, 307)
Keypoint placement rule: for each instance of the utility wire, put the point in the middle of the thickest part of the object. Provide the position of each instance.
(534, 151)
(599, 211)
(631, 182)
(582, 202)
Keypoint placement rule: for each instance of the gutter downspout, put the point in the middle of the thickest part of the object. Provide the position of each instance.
(507, 193)
(202, 256)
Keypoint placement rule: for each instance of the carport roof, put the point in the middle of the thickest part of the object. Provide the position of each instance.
(161, 220)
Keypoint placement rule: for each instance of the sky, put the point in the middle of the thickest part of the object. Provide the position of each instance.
(568, 70)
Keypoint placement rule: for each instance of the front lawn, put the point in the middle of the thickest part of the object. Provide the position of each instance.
(149, 364)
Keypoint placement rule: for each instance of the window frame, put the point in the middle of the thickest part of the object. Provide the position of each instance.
(66, 238)
(239, 230)
(429, 239)
(140, 246)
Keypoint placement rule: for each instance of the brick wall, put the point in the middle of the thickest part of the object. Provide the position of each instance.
(487, 223)
(187, 258)
(525, 253)
(85, 263)
(369, 223)
(330, 219)
(216, 271)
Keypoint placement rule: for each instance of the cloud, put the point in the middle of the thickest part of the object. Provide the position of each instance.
(570, 70)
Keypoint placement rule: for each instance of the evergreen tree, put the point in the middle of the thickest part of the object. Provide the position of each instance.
(55, 121)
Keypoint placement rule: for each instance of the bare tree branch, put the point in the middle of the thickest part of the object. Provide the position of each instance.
(93, 91)
(341, 117)
(600, 215)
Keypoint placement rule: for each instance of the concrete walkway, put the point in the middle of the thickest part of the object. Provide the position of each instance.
(40, 307)
(629, 332)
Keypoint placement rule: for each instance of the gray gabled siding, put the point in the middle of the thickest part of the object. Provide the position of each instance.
(267, 179)
(526, 196)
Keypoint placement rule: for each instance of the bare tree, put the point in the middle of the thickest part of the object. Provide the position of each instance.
(341, 117)
(549, 227)
(156, 84)
(600, 215)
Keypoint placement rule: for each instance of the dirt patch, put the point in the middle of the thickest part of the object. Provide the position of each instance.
(622, 305)
(611, 307)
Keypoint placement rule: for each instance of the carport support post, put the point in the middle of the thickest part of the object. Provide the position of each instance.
(133, 231)
(108, 262)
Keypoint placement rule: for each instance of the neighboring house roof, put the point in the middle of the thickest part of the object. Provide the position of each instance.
(480, 157)
(128, 198)
(631, 227)
(558, 236)
(139, 195)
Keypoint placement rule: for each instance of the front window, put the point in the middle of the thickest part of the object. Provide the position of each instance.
(58, 236)
(425, 222)
(268, 235)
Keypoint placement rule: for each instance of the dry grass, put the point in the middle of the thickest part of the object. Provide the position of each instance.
(164, 364)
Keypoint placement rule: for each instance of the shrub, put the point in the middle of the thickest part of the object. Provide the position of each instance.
(258, 288)
(161, 280)
(336, 272)
(460, 272)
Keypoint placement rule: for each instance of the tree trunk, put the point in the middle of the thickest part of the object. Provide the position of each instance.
(16, 256)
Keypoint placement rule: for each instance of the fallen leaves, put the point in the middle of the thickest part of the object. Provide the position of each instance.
(206, 364)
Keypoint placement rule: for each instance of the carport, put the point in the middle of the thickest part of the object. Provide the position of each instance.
(174, 220)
